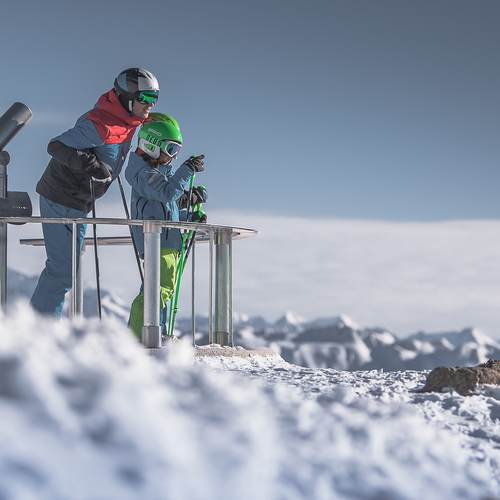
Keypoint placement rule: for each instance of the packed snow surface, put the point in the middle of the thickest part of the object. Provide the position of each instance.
(87, 414)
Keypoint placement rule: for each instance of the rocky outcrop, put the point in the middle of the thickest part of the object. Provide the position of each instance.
(463, 380)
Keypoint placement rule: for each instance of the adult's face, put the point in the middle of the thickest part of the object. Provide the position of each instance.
(141, 109)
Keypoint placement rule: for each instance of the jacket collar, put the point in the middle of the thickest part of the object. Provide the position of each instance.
(109, 103)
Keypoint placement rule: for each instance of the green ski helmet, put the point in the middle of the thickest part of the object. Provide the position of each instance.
(160, 133)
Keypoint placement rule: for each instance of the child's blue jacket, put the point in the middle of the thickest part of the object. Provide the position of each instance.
(155, 192)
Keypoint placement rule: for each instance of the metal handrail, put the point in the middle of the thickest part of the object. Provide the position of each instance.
(204, 228)
(106, 240)
(218, 236)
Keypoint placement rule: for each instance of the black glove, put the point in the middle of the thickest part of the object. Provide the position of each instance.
(75, 159)
(101, 172)
(195, 163)
(199, 216)
(198, 195)
(88, 161)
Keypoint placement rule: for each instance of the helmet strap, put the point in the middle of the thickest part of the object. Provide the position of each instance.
(125, 102)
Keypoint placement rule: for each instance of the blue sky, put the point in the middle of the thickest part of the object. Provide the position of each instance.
(372, 110)
(350, 112)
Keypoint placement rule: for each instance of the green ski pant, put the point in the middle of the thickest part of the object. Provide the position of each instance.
(168, 272)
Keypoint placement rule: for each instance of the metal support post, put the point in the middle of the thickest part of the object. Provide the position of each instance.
(79, 281)
(74, 269)
(223, 292)
(76, 275)
(231, 290)
(210, 287)
(4, 161)
(151, 335)
(193, 282)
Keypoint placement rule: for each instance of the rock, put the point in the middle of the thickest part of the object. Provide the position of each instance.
(463, 380)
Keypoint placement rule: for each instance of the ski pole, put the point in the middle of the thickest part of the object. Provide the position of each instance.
(193, 236)
(96, 258)
(191, 184)
(195, 208)
(127, 214)
(182, 264)
(172, 313)
(175, 300)
(180, 269)
(174, 303)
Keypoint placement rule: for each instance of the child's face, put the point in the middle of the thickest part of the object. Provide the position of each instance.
(141, 109)
(164, 159)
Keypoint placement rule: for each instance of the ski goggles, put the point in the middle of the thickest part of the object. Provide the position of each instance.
(147, 97)
(171, 148)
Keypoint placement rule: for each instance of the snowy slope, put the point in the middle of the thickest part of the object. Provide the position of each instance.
(87, 414)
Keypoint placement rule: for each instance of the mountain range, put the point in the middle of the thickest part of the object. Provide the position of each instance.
(333, 342)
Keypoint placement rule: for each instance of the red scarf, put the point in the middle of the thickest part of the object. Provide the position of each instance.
(113, 123)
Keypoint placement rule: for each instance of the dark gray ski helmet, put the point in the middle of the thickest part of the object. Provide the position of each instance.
(136, 84)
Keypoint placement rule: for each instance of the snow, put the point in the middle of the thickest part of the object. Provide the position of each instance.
(87, 414)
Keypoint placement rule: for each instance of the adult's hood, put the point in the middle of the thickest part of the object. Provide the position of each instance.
(113, 122)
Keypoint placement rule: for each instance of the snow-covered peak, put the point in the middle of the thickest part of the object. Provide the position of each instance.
(290, 318)
(246, 321)
(335, 321)
(239, 317)
(374, 337)
(290, 322)
(458, 338)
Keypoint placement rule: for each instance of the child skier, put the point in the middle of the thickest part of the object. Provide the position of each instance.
(93, 151)
(156, 194)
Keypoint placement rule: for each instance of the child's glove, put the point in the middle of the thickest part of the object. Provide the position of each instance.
(195, 163)
(199, 216)
(198, 195)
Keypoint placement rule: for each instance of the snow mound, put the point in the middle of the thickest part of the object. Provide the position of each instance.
(86, 413)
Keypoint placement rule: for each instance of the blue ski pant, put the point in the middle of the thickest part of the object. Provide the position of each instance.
(55, 280)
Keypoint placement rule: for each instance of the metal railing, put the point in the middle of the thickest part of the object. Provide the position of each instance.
(217, 236)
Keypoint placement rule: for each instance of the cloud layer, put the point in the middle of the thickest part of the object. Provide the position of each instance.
(404, 276)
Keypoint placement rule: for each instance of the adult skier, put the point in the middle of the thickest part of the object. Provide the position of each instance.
(93, 151)
(157, 192)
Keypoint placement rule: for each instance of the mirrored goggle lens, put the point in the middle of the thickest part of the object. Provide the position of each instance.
(171, 148)
(147, 97)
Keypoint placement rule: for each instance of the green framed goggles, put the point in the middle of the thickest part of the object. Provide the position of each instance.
(147, 97)
(171, 148)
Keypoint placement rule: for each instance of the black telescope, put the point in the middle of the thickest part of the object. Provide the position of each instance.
(12, 203)
(12, 121)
